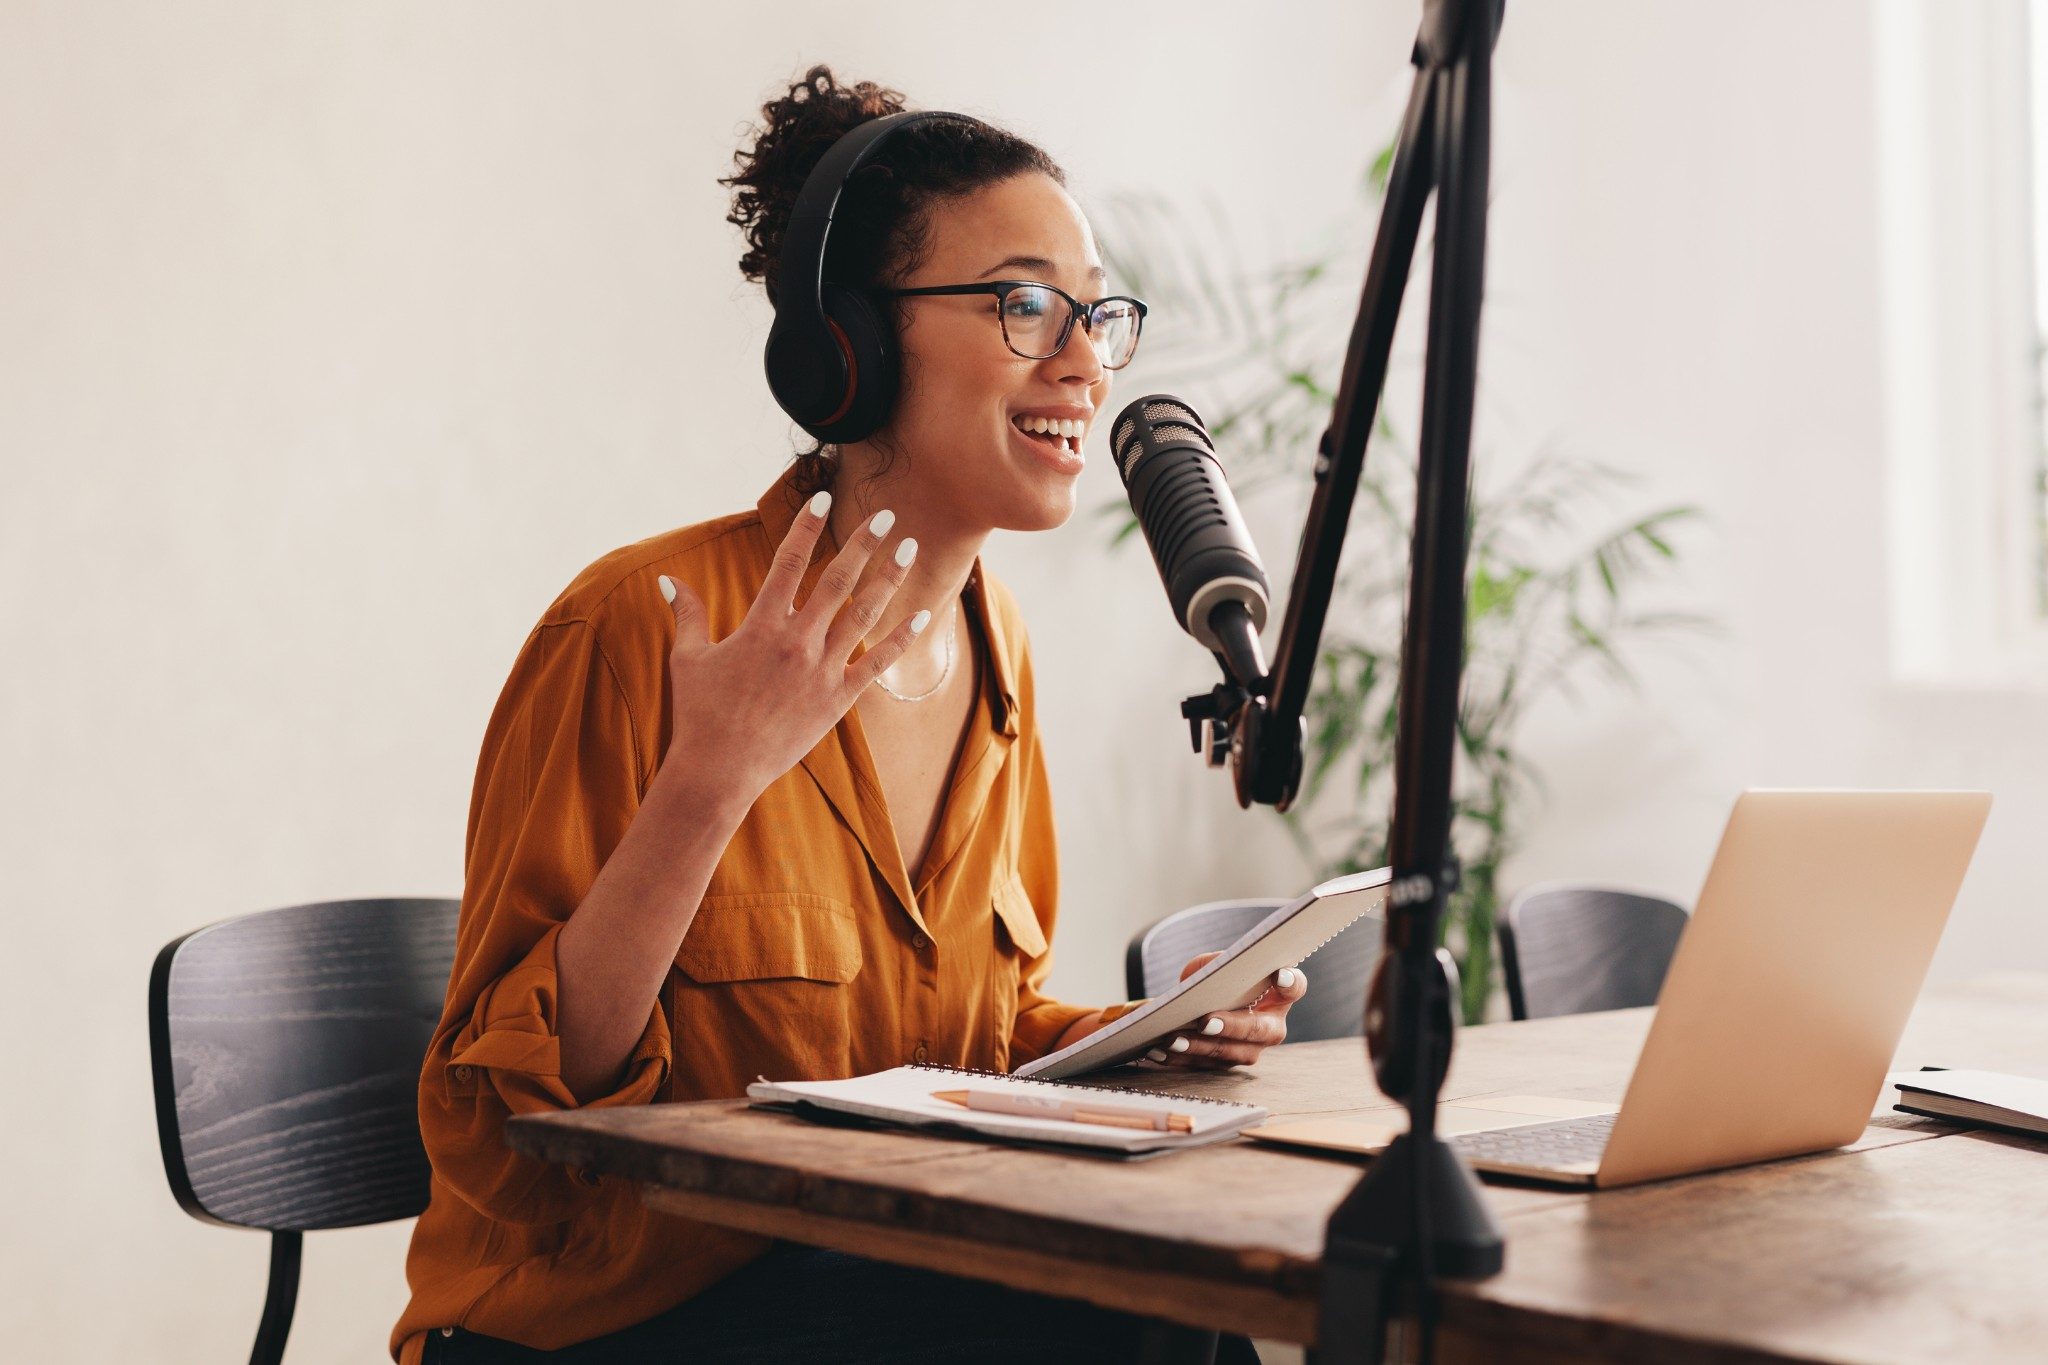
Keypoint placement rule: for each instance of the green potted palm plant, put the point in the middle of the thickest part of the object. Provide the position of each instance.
(1561, 583)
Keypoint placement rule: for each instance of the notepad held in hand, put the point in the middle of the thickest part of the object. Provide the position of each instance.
(1235, 978)
(905, 1095)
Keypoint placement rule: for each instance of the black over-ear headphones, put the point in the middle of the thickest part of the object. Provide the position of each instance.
(831, 355)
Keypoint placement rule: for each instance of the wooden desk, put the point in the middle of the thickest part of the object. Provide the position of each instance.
(1921, 1242)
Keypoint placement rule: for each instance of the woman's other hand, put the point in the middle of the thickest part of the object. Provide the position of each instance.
(1233, 1037)
(747, 708)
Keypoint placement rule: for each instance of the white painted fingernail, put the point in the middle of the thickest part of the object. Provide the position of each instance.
(820, 500)
(1178, 1045)
(1286, 979)
(906, 552)
(884, 519)
(1213, 1027)
(919, 622)
(1155, 1055)
(668, 589)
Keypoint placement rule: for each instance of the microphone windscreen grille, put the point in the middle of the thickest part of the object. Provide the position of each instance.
(1169, 421)
(1166, 410)
(1176, 432)
(1125, 431)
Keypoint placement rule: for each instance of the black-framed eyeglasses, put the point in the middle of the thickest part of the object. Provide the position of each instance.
(1036, 327)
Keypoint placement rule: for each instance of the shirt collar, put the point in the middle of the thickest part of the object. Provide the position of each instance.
(778, 508)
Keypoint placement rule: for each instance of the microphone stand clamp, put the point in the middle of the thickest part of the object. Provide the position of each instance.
(1228, 725)
(1210, 716)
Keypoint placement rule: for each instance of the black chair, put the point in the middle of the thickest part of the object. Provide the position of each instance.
(1571, 949)
(1338, 972)
(285, 1049)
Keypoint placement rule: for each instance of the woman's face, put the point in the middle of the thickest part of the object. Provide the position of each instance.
(954, 429)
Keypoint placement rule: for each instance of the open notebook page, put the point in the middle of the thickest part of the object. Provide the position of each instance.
(904, 1095)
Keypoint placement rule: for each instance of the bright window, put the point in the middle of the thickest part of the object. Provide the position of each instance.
(1962, 122)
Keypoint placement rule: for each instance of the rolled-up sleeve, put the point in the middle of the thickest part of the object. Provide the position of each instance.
(558, 783)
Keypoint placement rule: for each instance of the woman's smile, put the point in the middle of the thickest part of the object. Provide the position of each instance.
(1055, 434)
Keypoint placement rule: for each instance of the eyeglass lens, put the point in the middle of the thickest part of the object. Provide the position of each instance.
(1035, 316)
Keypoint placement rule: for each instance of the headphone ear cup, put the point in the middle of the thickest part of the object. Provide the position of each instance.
(865, 330)
(806, 368)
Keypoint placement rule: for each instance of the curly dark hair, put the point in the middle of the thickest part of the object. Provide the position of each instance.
(882, 228)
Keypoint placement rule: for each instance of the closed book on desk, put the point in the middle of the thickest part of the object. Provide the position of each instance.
(1987, 1097)
(906, 1095)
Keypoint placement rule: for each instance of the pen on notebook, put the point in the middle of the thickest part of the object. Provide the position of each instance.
(1046, 1107)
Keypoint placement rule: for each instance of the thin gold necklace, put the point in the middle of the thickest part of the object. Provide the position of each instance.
(952, 623)
(944, 673)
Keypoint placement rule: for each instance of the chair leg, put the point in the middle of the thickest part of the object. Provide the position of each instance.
(1169, 1343)
(281, 1299)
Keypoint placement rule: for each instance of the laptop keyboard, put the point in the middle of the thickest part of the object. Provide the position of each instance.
(1564, 1143)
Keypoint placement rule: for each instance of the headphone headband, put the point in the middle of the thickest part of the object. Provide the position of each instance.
(803, 240)
(831, 355)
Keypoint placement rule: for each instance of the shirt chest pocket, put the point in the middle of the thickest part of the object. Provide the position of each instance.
(1017, 929)
(765, 986)
(1018, 939)
(770, 935)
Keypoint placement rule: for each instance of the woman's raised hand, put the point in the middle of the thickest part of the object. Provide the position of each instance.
(747, 708)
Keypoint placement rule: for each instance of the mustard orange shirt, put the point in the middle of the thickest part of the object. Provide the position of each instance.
(811, 956)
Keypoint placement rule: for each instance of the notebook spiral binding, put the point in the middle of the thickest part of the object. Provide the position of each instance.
(1069, 1085)
(1260, 998)
(1379, 904)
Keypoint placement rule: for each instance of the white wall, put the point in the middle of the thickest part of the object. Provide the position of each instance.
(332, 342)
(1687, 267)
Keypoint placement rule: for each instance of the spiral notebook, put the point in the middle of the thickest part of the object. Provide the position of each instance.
(904, 1096)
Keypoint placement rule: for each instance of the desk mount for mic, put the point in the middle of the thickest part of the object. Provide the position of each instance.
(1417, 1214)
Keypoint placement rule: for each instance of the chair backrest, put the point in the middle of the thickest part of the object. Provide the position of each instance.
(1573, 949)
(1338, 972)
(286, 1048)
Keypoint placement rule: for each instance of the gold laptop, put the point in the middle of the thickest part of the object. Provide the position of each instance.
(1780, 1013)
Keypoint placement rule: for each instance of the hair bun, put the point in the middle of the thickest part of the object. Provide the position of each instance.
(882, 228)
(798, 128)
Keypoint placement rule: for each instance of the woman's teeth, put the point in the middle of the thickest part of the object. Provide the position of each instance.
(1065, 431)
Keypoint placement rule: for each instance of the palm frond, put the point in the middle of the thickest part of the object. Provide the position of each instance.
(1545, 607)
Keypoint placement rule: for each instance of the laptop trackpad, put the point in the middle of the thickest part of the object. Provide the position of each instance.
(1508, 1111)
(1371, 1133)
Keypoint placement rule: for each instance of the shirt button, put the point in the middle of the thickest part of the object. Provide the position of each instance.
(447, 1331)
(464, 1072)
(923, 1053)
(920, 943)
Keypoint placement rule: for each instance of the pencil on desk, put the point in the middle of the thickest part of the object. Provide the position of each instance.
(1045, 1107)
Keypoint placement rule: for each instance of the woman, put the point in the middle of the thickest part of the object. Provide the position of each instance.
(765, 795)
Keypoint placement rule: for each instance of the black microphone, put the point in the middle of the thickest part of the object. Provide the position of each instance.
(1199, 541)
